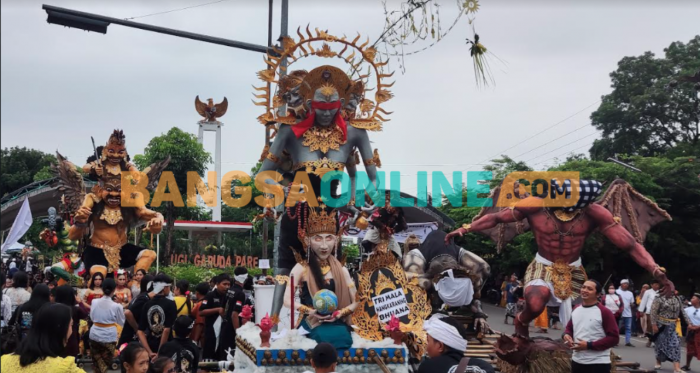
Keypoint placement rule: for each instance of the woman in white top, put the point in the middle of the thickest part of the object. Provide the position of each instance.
(18, 294)
(106, 315)
(135, 283)
(613, 302)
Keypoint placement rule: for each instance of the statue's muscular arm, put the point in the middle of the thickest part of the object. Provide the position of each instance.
(521, 210)
(283, 137)
(353, 292)
(621, 238)
(154, 220)
(276, 149)
(361, 140)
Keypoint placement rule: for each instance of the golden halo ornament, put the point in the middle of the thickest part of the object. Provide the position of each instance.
(369, 114)
(471, 6)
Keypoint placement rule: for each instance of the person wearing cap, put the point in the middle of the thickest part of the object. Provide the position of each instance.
(324, 358)
(181, 349)
(157, 316)
(626, 320)
(447, 343)
(591, 332)
(693, 338)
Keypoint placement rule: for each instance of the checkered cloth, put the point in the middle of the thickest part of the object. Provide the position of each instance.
(588, 191)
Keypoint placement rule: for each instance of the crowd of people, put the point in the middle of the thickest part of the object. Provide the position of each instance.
(145, 323)
(662, 321)
(149, 323)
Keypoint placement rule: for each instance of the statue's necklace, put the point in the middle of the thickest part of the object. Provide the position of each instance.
(564, 215)
(114, 169)
(325, 267)
(112, 217)
(317, 138)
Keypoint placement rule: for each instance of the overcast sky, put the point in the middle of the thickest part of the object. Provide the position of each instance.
(60, 86)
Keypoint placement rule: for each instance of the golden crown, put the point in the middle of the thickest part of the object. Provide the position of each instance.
(320, 222)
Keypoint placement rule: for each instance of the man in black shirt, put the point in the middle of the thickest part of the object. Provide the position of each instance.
(235, 299)
(212, 308)
(446, 346)
(133, 313)
(181, 350)
(157, 316)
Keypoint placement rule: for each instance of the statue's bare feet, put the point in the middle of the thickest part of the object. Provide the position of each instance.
(520, 328)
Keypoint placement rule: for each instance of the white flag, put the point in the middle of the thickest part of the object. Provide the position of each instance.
(21, 225)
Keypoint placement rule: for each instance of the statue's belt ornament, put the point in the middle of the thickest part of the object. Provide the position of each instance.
(567, 280)
(111, 253)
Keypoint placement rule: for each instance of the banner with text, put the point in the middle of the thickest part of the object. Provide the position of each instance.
(421, 230)
(390, 303)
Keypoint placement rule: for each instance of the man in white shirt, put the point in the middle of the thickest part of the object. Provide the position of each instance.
(591, 332)
(626, 319)
(693, 339)
(645, 306)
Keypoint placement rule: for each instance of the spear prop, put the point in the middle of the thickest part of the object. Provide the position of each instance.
(97, 157)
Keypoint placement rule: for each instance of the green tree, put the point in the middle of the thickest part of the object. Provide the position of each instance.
(186, 155)
(19, 166)
(649, 110)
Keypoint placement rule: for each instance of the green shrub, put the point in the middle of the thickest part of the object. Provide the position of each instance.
(196, 274)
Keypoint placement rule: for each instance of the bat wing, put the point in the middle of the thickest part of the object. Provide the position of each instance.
(637, 213)
(69, 183)
(502, 233)
(154, 171)
(200, 106)
(221, 108)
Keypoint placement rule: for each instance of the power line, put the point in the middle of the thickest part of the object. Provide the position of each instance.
(568, 152)
(589, 135)
(175, 10)
(551, 141)
(539, 133)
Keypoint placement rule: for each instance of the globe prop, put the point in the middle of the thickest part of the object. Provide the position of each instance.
(325, 302)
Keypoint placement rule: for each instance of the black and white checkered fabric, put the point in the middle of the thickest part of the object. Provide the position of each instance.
(588, 191)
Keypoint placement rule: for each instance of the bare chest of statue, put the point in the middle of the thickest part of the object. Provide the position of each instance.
(557, 239)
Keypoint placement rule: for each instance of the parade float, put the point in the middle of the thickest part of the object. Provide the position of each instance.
(556, 274)
(98, 217)
(324, 126)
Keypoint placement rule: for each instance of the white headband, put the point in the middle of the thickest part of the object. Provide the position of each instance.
(157, 287)
(241, 278)
(624, 282)
(445, 333)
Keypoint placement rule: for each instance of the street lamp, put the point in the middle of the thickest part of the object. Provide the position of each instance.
(97, 23)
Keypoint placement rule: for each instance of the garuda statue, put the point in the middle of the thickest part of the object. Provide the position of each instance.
(211, 111)
(99, 214)
(556, 274)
